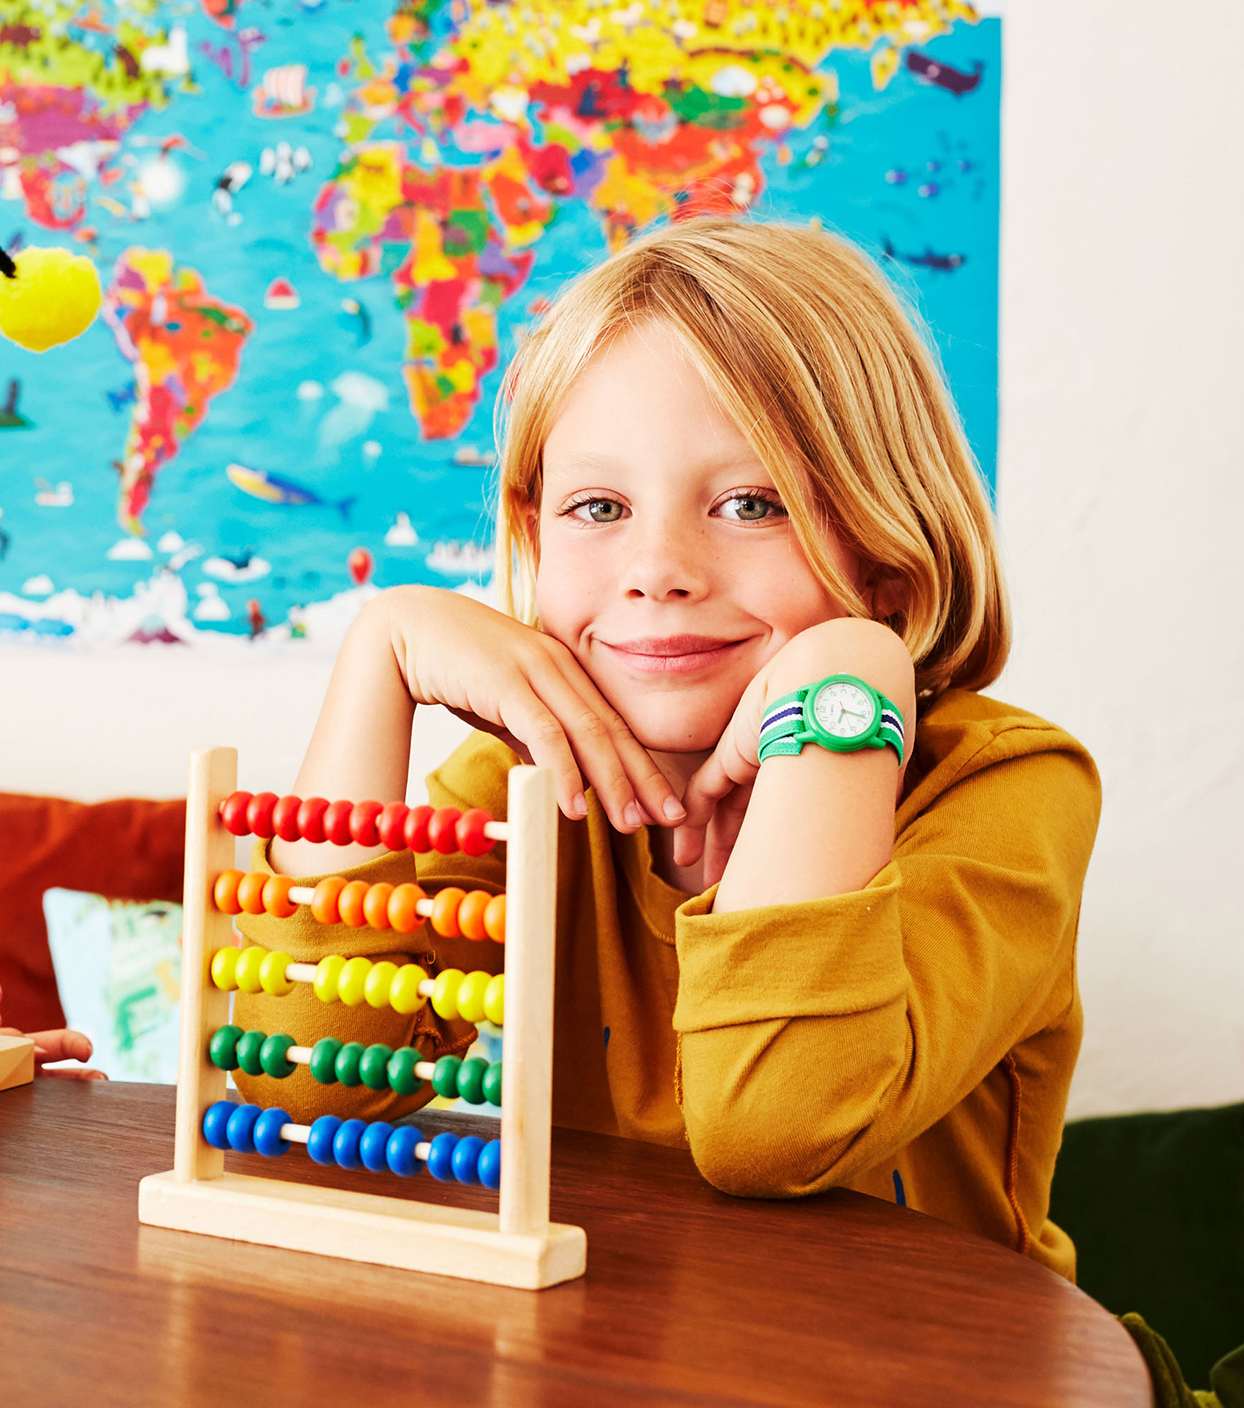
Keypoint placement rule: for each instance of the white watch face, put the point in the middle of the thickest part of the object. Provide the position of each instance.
(843, 710)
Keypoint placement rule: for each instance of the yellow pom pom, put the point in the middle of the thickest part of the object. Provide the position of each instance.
(248, 968)
(327, 973)
(224, 968)
(272, 974)
(54, 297)
(379, 983)
(352, 983)
(494, 1001)
(445, 993)
(404, 995)
(471, 996)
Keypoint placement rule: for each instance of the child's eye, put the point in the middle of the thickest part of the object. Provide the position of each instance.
(596, 510)
(750, 508)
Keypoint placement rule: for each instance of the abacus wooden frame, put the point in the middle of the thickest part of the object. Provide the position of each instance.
(515, 1246)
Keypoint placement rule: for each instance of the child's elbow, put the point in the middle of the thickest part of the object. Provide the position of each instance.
(751, 1158)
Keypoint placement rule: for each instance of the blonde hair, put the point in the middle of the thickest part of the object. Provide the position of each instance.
(805, 345)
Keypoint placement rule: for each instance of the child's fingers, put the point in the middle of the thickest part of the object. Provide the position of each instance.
(61, 1046)
(75, 1073)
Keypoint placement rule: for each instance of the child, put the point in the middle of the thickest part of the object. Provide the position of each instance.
(731, 471)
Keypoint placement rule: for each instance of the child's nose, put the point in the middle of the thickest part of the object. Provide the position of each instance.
(665, 564)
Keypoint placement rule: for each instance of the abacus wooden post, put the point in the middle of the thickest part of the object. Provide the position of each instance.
(204, 1007)
(531, 898)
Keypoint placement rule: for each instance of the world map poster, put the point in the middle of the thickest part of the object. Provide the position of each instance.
(323, 226)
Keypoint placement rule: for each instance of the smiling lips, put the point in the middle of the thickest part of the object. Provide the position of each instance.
(673, 655)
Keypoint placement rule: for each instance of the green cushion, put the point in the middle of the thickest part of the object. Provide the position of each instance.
(1155, 1206)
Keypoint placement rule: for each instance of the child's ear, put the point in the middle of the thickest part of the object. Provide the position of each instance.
(885, 594)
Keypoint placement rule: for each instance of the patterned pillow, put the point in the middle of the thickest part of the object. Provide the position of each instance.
(118, 968)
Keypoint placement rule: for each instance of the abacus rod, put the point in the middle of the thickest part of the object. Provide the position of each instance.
(301, 1134)
(497, 830)
(301, 1056)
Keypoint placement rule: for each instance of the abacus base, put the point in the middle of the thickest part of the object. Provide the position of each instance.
(366, 1227)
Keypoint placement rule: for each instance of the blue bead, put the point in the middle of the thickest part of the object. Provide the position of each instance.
(215, 1123)
(268, 1141)
(399, 1152)
(320, 1140)
(489, 1166)
(241, 1128)
(346, 1143)
(466, 1159)
(372, 1146)
(440, 1157)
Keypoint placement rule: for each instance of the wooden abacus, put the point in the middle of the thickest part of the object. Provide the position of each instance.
(515, 1246)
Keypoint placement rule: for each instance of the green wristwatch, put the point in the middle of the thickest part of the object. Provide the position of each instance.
(840, 713)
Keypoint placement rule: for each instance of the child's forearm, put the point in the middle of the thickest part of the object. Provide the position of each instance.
(822, 823)
(360, 748)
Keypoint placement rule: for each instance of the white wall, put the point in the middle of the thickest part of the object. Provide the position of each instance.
(1120, 507)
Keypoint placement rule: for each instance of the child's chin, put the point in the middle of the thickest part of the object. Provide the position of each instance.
(675, 736)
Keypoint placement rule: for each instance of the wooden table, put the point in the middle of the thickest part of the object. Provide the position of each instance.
(691, 1297)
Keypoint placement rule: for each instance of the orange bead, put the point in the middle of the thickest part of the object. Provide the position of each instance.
(276, 898)
(250, 892)
(445, 911)
(403, 914)
(376, 905)
(350, 903)
(324, 901)
(225, 891)
(494, 918)
(471, 914)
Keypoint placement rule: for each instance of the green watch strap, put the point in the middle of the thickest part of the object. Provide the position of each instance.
(789, 723)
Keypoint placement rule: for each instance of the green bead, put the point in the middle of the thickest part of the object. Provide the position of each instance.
(445, 1077)
(272, 1056)
(224, 1048)
(347, 1062)
(471, 1081)
(250, 1044)
(323, 1057)
(402, 1077)
(492, 1083)
(374, 1066)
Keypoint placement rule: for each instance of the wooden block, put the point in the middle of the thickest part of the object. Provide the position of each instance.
(17, 1061)
(365, 1227)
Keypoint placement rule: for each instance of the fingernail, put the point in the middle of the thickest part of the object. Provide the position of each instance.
(579, 804)
(674, 809)
(632, 815)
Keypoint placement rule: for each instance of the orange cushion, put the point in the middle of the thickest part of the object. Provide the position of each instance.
(129, 849)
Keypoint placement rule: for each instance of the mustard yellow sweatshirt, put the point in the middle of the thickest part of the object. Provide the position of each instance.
(913, 1040)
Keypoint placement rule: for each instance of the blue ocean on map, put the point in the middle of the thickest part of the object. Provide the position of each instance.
(312, 453)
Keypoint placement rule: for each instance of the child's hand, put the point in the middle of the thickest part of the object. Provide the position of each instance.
(717, 795)
(528, 689)
(59, 1045)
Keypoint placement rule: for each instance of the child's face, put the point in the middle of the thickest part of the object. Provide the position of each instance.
(667, 564)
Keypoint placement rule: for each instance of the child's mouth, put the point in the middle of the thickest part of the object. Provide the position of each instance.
(673, 655)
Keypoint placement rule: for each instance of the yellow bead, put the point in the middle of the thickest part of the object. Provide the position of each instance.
(471, 996)
(445, 993)
(248, 968)
(327, 974)
(224, 968)
(494, 1001)
(352, 984)
(378, 987)
(404, 995)
(272, 974)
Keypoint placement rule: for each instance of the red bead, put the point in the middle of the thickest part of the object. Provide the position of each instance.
(470, 833)
(442, 830)
(233, 813)
(337, 823)
(363, 823)
(391, 826)
(417, 830)
(311, 818)
(285, 818)
(259, 814)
